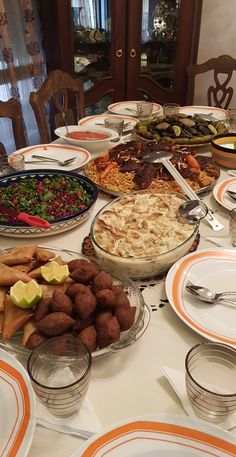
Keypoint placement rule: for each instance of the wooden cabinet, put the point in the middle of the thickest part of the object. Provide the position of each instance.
(123, 49)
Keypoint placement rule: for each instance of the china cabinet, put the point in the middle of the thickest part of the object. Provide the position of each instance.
(123, 49)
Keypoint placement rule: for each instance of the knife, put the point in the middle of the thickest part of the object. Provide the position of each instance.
(25, 217)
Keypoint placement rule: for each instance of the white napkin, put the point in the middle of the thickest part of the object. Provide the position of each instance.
(84, 423)
(177, 380)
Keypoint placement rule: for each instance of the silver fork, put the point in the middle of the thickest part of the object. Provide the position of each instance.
(62, 163)
(208, 295)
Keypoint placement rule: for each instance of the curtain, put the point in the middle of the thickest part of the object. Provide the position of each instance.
(22, 63)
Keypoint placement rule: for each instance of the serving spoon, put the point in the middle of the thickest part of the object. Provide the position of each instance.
(188, 212)
(208, 295)
(231, 194)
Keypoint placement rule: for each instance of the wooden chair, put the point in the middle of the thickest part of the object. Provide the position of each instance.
(12, 109)
(59, 90)
(218, 94)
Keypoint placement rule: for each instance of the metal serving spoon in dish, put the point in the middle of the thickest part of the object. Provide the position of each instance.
(231, 194)
(62, 163)
(208, 295)
(186, 209)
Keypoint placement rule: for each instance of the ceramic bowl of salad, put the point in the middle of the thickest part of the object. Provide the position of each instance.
(64, 199)
(223, 149)
(94, 139)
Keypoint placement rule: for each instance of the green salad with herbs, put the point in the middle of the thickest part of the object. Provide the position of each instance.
(51, 197)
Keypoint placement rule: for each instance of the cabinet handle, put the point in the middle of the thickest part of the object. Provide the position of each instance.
(119, 53)
(132, 53)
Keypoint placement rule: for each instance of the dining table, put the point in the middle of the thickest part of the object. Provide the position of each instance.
(130, 382)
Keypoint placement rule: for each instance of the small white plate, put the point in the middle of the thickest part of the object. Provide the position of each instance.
(220, 193)
(17, 412)
(212, 268)
(56, 151)
(218, 113)
(123, 108)
(163, 435)
(96, 120)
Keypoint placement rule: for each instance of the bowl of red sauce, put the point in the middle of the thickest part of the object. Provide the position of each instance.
(94, 139)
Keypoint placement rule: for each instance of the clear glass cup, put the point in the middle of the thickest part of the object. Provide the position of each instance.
(231, 119)
(17, 162)
(211, 380)
(232, 226)
(59, 370)
(170, 109)
(115, 124)
(144, 110)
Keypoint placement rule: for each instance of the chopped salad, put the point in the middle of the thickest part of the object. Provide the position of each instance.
(51, 197)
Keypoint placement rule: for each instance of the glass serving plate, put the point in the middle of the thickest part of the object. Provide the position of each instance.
(127, 338)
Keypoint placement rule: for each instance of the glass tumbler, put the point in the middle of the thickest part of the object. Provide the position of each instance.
(144, 110)
(231, 118)
(17, 162)
(59, 370)
(232, 226)
(115, 124)
(211, 380)
(170, 109)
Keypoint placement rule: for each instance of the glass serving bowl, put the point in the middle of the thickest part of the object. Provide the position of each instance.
(144, 266)
(127, 338)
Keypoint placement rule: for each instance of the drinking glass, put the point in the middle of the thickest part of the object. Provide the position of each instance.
(170, 109)
(144, 110)
(115, 124)
(59, 370)
(231, 118)
(232, 226)
(211, 380)
(17, 162)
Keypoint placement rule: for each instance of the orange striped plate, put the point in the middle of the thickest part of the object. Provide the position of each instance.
(162, 435)
(220, 194)
(17, 412)
(216, 269)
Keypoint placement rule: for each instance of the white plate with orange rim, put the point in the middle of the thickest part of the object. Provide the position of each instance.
(54, 151)
(164, 435)
(218, 113)
(213, 268)
(220, 193)
(128, 108)
(17, 413)
(99, 119)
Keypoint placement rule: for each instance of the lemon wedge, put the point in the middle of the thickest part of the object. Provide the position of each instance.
(54, 273)
(177, 130)
(26, 295)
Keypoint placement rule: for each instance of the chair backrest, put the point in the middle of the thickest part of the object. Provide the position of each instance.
(218, 93)
(12, 109)
(59, 91)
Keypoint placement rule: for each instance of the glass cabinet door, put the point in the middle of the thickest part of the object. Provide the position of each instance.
(160, 23)
(91, 36)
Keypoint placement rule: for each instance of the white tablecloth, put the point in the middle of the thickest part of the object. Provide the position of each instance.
(131, 382)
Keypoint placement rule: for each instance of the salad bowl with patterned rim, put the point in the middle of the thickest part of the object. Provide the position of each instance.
(58, 225)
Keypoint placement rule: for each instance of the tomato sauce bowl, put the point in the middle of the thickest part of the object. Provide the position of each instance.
(93, 139)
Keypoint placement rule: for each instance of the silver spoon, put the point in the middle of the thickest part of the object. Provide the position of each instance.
(164, 157)
(208, 295)
(50, 159)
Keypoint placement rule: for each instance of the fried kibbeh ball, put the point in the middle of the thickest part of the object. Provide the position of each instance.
(118, 288)
(88, 336)
(122, 301)
(55, 324)
(85, 272)
(105, 298)
(82, 323)
(77, 263)
(125, 317)
(75, 289)
(35, 339)
(102, 319)
(102, 280)
(42, 309)
(85, 304)
(61, 302)
(108, 333)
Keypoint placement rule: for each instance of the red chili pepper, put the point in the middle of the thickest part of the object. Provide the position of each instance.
(108, 169)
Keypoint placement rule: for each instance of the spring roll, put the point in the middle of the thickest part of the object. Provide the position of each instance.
(44, 255)
(8, 276)
(18, 255)
(14, 319)
(36, 274)
(28, 329)
(27, 267)
(3, 291)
